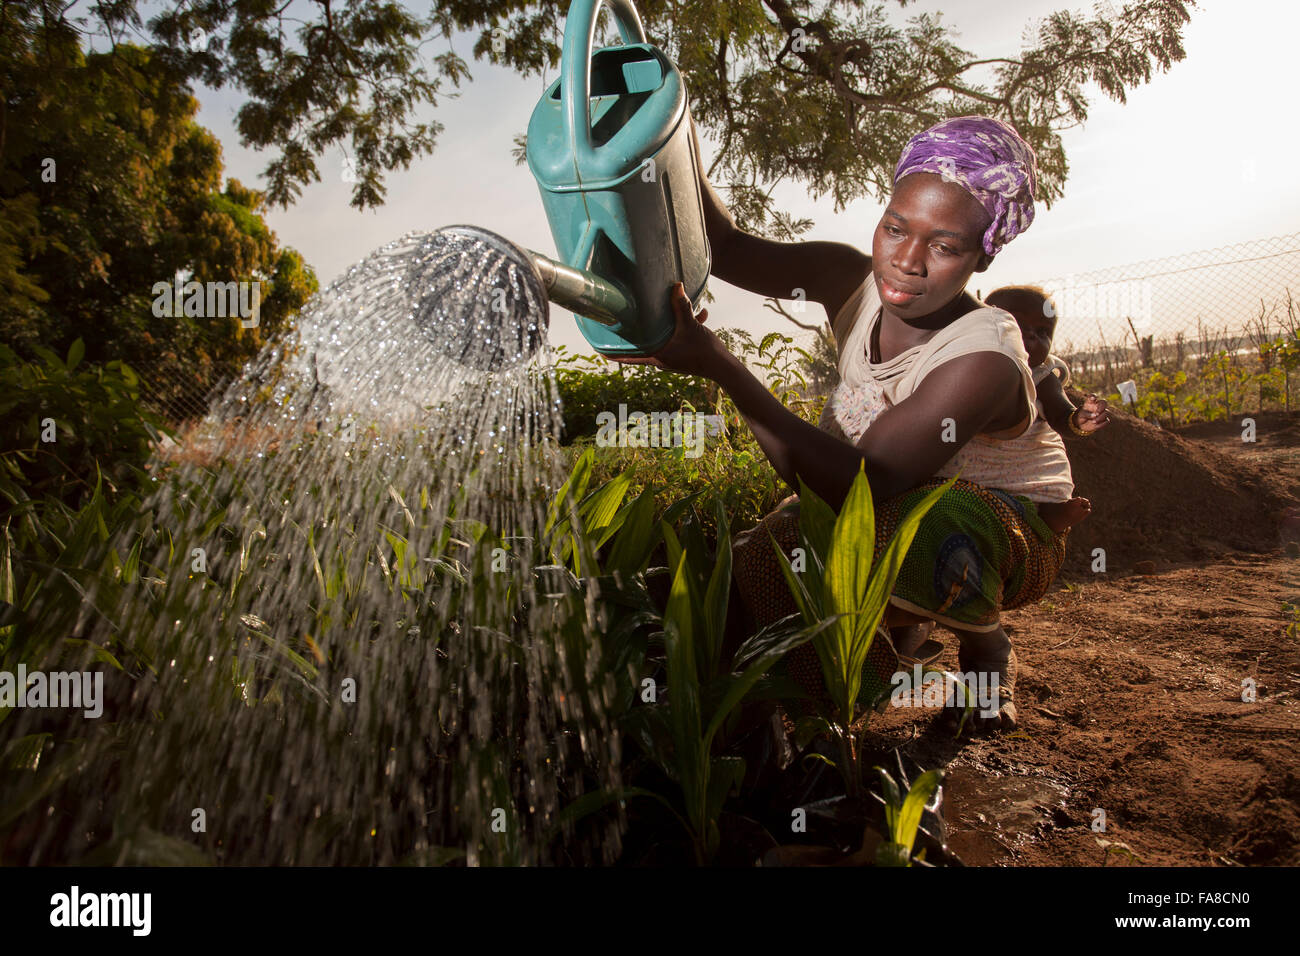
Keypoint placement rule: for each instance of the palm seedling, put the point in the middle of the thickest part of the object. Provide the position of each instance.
(846, 585)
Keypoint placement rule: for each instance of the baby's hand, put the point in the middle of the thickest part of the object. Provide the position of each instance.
(1092, 415)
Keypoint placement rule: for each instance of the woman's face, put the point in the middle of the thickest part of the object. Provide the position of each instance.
(927, 245)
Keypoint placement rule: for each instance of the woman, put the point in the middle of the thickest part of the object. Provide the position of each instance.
(926, 370)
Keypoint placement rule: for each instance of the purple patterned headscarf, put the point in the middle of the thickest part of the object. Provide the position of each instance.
(988, 159)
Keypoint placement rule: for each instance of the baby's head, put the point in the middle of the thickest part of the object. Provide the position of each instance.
(1034, 312)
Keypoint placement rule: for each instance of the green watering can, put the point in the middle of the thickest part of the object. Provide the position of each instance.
(611, 149)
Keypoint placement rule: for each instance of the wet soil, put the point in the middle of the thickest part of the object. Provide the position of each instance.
(1130, 702)
(1132, 681)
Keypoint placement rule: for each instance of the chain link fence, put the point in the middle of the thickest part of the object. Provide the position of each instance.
(179, 399)
(1200, 335)
(1167, 313)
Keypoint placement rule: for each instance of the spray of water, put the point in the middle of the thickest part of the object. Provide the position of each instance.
(345, 640)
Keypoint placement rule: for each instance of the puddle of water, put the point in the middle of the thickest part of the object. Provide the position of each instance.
(989, 816)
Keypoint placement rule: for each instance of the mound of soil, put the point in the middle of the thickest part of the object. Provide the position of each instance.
(1130, 699)
(1276, 447)
(1157, 496)
(1132, 686)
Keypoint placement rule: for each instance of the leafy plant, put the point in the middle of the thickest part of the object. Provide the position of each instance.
(63, 423)
(589, 385)
(680, 726)
(1159, 396)
(1292, 608)
(728, 464)
(846, 584)
(903, 815)
(1285, 352)
(575, 518)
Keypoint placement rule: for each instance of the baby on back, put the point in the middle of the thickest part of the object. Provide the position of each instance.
(1035, 314)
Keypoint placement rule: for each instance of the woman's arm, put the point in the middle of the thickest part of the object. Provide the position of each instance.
(903, 447)
(906, 445)
(828, 272)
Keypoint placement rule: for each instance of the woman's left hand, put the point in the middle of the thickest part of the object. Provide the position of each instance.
(693, 349)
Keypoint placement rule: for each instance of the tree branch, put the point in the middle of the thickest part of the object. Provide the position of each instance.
(775, 306)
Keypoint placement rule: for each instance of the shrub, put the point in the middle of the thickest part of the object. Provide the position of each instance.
(732, 469)
(64, 424)
(589, 385)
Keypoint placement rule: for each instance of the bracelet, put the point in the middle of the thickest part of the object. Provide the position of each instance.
(1075, 428)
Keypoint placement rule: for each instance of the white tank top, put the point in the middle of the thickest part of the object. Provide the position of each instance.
(1027, 460)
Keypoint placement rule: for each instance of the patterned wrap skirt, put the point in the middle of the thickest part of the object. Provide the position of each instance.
(977, 552)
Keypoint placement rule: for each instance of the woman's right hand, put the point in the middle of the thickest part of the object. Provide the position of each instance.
(693, 349)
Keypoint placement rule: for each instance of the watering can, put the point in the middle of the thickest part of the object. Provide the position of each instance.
(611, 149)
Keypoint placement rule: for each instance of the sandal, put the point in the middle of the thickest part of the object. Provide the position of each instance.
(926, 653)
(1006, 671)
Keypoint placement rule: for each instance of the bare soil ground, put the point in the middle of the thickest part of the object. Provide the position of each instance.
(1131, 684)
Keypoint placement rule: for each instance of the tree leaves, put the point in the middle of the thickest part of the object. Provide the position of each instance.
(825, 93)
(108, 191)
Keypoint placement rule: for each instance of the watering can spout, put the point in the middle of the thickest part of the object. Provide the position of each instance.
(583, 292)
(502, 320)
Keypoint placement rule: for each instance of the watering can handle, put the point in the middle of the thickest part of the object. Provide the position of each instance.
(579, 36)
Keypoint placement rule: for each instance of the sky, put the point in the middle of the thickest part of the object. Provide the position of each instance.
(1186, 164)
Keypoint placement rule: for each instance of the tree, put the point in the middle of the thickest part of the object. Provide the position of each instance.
(830, 95)
(108, 188)
(823, 92)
